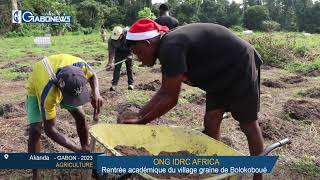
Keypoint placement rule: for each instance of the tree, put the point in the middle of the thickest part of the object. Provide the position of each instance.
(254, 16)
(146, 13)
(91, 14)
(301, 7)
(216, 12)
(312, 17)
(234, 15)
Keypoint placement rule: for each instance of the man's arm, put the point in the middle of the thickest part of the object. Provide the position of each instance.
(111, 53)
(82, 127)
(165, 99)
(96, 98)
(52, 132)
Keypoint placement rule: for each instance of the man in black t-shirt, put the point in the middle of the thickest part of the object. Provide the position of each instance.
(165, 19)
(119, 51)
(207, 56)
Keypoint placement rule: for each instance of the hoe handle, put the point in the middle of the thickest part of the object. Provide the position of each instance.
(271, 147)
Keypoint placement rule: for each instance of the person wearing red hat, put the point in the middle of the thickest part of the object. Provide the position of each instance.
(208, 56)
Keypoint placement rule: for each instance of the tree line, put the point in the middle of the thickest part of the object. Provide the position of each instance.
(262, 15)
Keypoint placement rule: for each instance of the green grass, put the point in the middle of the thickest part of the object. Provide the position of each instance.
(18, 47)
(136, 97)
(304, 66)
(307, 166)
(23, 51)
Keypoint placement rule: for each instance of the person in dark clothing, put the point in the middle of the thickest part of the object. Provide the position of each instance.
(119, 51)
(204, 55)
(165, 19)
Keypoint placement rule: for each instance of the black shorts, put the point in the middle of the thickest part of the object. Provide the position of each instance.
(243, 108)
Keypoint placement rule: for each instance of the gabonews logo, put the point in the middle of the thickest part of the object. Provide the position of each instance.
(27, 17)
(16, 16)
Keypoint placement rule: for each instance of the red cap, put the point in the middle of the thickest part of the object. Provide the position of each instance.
(145, 29)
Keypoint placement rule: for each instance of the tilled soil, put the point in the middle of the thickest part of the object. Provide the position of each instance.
(10, 110)
(273, 83)
(312, 93)
(292, 79)
(132, 151)
(302, 109)
(94, 63)
(151, 86)
(23, 69)
(20, 78)
(313, 73)
(9, 65)
(274, 128)
(199, 99)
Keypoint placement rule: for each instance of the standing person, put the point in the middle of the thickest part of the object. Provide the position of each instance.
(103, 35)
(165, 19)
(60, 79)
(119, 51)
(208, 56)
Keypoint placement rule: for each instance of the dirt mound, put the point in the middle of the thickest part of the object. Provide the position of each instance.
(23, 69)
(313, 73)
(94, 63)
(132, 151)
(292, 79)
(302, 109)
(9, 65)
(107, 94)
(274, 128)
(228, 141)
(128, 107)
(199, 99)
(266, 67)
(312, 93)
(273, 83)
(151, 86)
(10, 110)
(20, 78)
(98, 57)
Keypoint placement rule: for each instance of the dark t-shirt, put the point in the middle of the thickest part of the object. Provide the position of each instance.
(211, 56)
(119, 47)
(168, 21)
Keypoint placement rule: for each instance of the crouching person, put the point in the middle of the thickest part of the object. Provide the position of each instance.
(60, 79)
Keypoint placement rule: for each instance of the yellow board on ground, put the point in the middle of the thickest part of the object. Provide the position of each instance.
(157, 138)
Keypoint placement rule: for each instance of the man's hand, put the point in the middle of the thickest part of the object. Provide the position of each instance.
(96, 102)
(109, 67)
(129, 117)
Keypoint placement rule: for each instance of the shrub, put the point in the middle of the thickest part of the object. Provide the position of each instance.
(270, 26)
(237, 28)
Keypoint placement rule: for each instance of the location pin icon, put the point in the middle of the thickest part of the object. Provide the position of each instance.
(6, 156)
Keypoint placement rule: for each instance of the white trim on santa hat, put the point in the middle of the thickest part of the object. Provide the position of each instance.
(142, 35)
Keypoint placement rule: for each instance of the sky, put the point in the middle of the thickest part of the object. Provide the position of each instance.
(161, 1)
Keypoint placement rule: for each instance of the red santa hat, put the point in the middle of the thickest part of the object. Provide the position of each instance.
(145, 29)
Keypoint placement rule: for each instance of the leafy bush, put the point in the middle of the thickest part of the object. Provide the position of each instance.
(270, 26)
(275, 52)
(86, 31)
(237, 28)
(146, 13)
